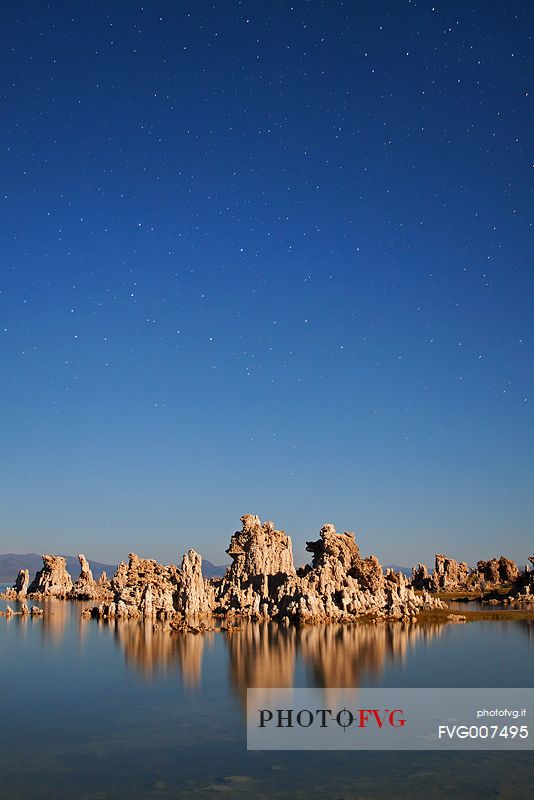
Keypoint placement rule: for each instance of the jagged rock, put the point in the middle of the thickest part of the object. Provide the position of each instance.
(142, 588)
(498, 571)
(259, 550)
(261, 583)
(522, 592)
(452, 576)
(508, 570)
(449, 575)
(19, 589)
(338, 585)
(429, 603)
(36, 611)
(86, 588)
(336, 555)
(420, 577)
(52, 580)
(193, 596)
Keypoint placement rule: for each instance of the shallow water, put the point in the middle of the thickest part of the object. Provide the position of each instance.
(95, 711)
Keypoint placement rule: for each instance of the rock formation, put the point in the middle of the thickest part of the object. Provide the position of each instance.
(258, 550)
(86, 588)
(52, 580)
(144, 588)
(338, 585)
(498, 571)
(449, 575)
(260, 583)
(195, 595)
(420, 577)
(19, 590)
(456, 576)
(523, 589)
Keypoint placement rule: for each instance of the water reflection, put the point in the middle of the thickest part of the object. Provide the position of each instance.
(263, 654)
(259, 654)
(57, 618)
(153, 648)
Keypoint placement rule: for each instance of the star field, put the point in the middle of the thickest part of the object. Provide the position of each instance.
(266, 257)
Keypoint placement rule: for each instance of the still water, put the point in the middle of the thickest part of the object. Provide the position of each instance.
(91, 711)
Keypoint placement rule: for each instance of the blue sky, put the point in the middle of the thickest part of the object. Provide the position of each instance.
(270, 258)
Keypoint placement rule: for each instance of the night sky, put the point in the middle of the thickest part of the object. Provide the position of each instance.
(266, 257)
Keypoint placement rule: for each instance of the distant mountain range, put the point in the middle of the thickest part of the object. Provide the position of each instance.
(210, 570)
(12, 563)
(395, 567)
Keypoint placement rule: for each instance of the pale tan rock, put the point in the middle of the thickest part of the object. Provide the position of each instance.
(496, 572)
(194, 596)
(262, 583)
(522, 593)
(52, 580)
(142, 588)
(449, 575)
(338, 585)
(19, 589)
(453, 576)
(86, 588)
(259, 550)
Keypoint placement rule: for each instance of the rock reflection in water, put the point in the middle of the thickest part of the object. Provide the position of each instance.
(262, 654)
(52, 623)
(265, 655)
(150, 648)
(339, 656)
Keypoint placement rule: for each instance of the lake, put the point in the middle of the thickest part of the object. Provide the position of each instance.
(92, 711)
